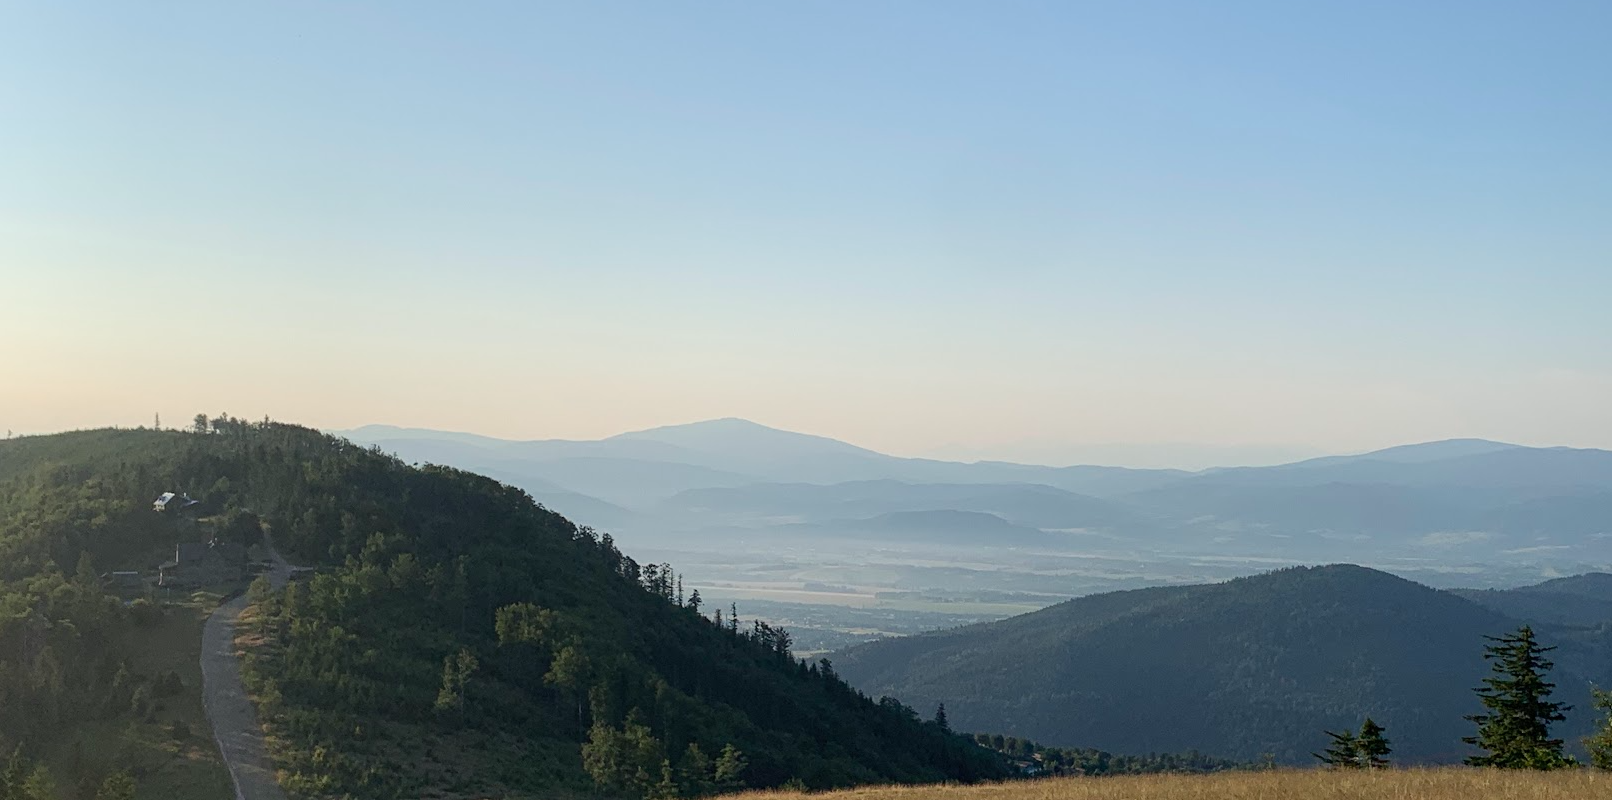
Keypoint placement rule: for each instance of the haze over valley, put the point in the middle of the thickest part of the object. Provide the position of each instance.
(842, 543)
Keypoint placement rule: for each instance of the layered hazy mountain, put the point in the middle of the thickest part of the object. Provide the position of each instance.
(1456, 503)
(657, 463)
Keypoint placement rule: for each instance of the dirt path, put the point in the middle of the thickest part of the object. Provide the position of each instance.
(234, 720)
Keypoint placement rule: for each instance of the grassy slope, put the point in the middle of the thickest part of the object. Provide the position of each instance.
(1434, 784)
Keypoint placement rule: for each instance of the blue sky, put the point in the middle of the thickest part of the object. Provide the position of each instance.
(973, 229)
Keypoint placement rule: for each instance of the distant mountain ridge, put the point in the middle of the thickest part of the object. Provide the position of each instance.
(1418, 453)
(731, 434)
(1449, 501)
(730, 440)
(733, 438)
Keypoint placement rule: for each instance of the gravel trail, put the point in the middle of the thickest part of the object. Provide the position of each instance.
(234, 719)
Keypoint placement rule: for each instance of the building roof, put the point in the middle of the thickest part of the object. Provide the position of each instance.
(162, 501)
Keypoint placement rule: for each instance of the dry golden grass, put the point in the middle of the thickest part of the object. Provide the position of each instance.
(1411, 784)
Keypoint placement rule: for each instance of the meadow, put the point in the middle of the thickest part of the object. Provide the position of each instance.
(1449, 783)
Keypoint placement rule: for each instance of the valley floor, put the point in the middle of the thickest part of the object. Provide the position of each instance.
(1412, 784)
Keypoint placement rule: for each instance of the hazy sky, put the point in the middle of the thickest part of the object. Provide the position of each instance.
(992, 229)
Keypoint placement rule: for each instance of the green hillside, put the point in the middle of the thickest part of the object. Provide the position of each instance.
(1583, 600)
(91, 686)
(1252, 666)
(458, 640)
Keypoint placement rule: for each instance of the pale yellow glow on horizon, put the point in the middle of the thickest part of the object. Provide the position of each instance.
(179, 330)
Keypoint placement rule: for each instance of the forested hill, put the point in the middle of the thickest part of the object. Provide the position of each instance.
(1252, 666)
(458, 637)
(1577, 600)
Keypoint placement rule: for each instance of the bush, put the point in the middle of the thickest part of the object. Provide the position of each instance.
(260, 590)
(145, 613)
(140, 703)
(119, 786)
(169, 684)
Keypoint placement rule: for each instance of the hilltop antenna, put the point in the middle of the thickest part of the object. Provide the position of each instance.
(157, 421)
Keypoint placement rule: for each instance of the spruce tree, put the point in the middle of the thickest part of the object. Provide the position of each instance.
(15, 772)
(730, 767)
(694, 771)
(456, 672)
(1372, 745)
(1344, 753)
(1599, 743)
(665, 788)
(1516, 731)
(940, 719)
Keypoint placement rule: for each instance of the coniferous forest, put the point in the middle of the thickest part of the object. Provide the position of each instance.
(452, 625)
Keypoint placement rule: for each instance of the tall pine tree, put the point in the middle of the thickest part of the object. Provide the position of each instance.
(1372, 744)
(1516, 730)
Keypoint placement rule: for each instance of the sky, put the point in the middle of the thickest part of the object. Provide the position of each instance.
(1191, 232)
